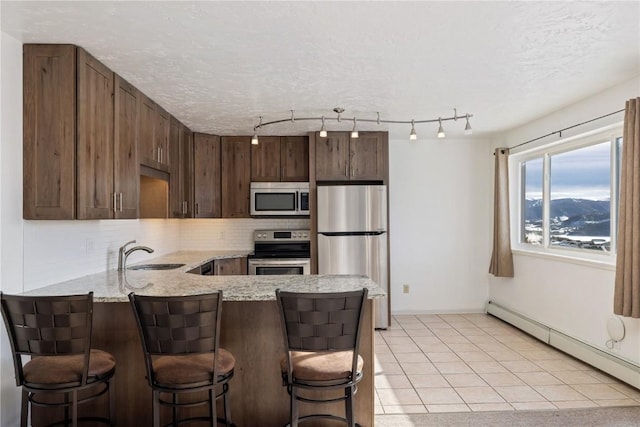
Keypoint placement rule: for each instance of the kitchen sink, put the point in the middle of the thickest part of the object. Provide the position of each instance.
(155, 266)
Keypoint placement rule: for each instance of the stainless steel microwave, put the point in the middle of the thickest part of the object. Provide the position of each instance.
(279, 198)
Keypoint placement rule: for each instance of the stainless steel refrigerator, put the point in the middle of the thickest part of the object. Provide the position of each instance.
(352, 236)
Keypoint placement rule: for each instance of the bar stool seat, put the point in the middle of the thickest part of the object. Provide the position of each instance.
(50, 370)
(321, 365)
(172, 371)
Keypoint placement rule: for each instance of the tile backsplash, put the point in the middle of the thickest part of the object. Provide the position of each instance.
(55, 251)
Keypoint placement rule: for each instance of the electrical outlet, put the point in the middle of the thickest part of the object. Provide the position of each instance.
(405, 289)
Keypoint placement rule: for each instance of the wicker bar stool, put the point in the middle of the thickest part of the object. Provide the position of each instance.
(180, 340)
(56, 332)
(322, 336)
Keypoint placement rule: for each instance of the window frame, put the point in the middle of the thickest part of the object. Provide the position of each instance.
(517, 159)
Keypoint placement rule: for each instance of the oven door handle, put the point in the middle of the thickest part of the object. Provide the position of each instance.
(297, 200)
(279, 261)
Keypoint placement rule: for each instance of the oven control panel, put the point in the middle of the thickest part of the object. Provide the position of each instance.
(281, 235)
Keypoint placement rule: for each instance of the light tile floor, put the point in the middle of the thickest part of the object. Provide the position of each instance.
(476, 362)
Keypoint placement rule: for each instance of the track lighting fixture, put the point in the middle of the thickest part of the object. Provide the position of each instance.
(354, 132)
(440, 129)
(412, 135)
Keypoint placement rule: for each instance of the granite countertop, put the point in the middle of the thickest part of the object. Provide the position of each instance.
(114, 286)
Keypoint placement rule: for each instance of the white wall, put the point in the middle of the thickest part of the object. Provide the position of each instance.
(576, 299)
(440, 200)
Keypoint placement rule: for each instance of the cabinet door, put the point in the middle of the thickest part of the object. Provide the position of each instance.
(146, 140)
(236, 176)
(230, 266)
(265, 159)
(176, 199)
(186, 170)
(368, 156)
(94, 139)
(180, 170)
(206, 175)
(49, 97)
(126, 170)
(162, 134)
(294, 158)
(332, 157)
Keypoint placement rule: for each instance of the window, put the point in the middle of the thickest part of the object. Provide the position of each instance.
(568, 195)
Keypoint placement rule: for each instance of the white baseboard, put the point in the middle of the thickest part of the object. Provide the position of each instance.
(452, 311)
(611, 364)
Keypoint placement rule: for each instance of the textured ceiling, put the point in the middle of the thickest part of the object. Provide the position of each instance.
(217, 66)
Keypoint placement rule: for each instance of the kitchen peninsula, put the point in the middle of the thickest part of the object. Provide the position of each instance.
(250, 330)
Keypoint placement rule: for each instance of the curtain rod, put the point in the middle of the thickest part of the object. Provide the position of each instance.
(559, 132)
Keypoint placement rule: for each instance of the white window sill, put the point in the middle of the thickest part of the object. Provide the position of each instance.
(602, 262)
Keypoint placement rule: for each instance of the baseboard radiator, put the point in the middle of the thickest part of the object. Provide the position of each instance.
(615, 366)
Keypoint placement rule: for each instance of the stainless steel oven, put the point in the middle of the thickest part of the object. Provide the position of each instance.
(280, 252)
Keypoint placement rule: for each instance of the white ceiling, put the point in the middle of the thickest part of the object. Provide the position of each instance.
(217, 66)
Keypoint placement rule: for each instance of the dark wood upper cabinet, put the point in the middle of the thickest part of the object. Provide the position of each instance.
(162, 134)
(49, 126)
(332, 157)
(155, 133)
(236, 176)
(206, 176)
(186, 172)
(294, 158)
(80, 137)
(339, 157)
(126, 169)
(368, 156)
(265, 159)
(146, 143)
(95, 196)
(176, 201)
(278, 158)
(180, 180)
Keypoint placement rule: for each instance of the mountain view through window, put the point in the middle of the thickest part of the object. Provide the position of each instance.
(579, 199)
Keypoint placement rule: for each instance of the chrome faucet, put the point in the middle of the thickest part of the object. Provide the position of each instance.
(123, 253)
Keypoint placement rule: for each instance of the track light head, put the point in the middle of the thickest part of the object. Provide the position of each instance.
(254, 139)
(323, 131)
(412, 134)
(440, 129)
(467, 127)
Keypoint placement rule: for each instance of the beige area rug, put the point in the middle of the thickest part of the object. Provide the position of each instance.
(627, 416)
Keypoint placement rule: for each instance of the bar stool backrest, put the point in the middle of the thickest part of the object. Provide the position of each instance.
(322, 321)
(178, 325)
(48, 326)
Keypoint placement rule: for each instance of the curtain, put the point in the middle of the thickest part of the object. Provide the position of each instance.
(501, 258)
(626, 298)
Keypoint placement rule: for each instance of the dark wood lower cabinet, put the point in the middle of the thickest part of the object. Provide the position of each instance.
(251, 331)
(230, 266)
